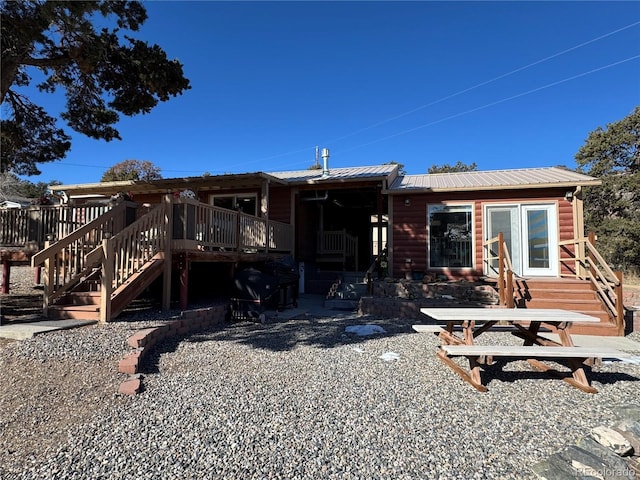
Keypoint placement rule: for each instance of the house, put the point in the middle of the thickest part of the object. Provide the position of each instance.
(516, 226)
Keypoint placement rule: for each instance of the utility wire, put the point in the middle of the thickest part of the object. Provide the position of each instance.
(482, 84)
(440, 100)
(497, 102)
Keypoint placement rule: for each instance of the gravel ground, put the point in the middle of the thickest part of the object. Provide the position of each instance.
(296, 399)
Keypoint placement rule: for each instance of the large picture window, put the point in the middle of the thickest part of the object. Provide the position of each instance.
(450, 236)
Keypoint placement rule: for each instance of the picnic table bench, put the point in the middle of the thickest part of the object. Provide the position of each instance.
(525, 323)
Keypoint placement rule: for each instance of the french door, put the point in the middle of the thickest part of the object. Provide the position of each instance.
(530, 234)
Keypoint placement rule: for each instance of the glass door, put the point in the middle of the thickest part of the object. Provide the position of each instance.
(505, 219)
(530, 234)
(539, 240)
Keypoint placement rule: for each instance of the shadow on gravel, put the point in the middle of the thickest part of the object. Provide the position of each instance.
(319, 332)
(285, 335)
(496, 372)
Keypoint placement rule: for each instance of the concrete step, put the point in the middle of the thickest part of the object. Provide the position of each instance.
(340, 304)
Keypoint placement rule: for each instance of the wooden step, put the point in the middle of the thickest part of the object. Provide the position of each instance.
(580, 294)
(79, 298)
(603, 329)
(564, 303)
(74, 312)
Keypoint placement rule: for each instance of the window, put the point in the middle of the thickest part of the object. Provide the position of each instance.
(244, 203)
(450, 236)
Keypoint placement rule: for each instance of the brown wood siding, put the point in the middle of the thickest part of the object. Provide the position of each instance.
(280, 204)
(409, 232)
(410, 223)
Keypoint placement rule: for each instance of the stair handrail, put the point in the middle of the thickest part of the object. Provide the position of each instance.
(136, 244)
(124, 254)
(506, 285)
(65, 260)
(589, 264)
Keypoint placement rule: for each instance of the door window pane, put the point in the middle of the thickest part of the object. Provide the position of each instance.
(505, 219)
(538, 238)
(450, 236)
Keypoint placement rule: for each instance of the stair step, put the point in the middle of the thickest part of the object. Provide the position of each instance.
(554, 285)
(561, 293)
(79, 298)
(604, 329)
(75, 312)
(566, 303)
(339, 304)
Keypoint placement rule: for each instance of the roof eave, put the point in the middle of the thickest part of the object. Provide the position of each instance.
(400, 191)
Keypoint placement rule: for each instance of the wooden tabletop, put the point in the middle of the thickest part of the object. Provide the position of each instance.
(513, 315)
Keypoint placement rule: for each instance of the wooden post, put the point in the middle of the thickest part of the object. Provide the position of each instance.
(589, 260)
(106, 280)
(619, 305)
(184, 281)
(501, 292)
(509, 292)
(168, 258)
(238, 231)
(6, 275)
(37, 275)
(47, 283)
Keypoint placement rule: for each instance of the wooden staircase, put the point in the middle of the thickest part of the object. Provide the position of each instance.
(568, 294)
(83, 302)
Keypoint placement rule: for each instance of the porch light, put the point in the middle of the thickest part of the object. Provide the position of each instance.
(568, 196)
(407, 202)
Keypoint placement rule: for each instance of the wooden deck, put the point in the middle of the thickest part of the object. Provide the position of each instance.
(119, 253)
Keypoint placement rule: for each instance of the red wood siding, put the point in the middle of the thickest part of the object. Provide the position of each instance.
(280, 204)
(410, 224)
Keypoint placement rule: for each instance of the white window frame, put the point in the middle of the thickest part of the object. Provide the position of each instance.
(471, 206)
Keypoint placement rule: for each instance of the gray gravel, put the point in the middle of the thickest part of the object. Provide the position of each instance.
(295, 399)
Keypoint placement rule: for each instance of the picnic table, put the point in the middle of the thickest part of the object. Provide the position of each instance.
(524, 323)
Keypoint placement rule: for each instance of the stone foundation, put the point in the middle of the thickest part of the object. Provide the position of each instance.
(404, 298)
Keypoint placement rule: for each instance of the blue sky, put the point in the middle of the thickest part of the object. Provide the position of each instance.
(501, 84)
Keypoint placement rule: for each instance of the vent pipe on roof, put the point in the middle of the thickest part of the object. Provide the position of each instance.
(325, 162)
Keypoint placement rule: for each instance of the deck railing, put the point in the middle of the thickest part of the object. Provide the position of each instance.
(20, 227)
(117, 247)
(206, 227)
(578, 258)
(68, 260)
(582, 260)
(338, 244)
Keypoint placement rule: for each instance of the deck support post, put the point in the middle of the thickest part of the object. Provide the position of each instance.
(184, 282)
(106, 281)
(168, 257)
(6, 275)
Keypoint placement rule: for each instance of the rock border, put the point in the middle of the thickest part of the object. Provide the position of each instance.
(144, 340)
(606, 453)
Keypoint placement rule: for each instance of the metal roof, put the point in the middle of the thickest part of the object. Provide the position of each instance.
(464, 181)
(491, 179)
(339, 174)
